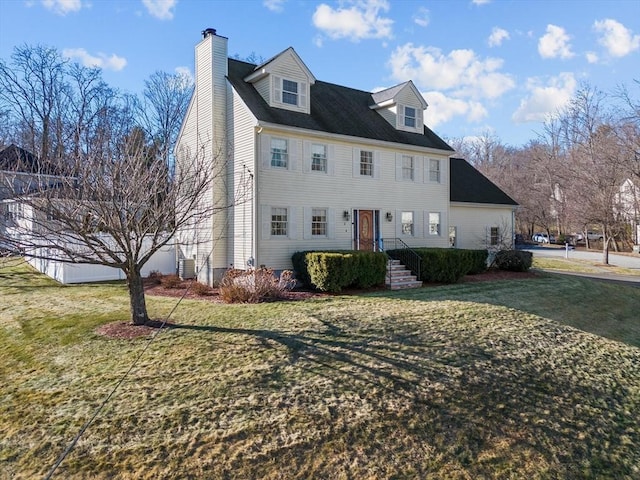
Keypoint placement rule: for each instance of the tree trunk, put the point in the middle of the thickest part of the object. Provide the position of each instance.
(605, 251)
(139, 314)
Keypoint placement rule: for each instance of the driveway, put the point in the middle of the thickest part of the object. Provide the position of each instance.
(630, 262)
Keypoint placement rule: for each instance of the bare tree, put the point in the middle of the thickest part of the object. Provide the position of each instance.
(115, 210)
(165, 101)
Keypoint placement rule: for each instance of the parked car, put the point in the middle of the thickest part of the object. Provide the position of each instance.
(595, 236)
(540, 238)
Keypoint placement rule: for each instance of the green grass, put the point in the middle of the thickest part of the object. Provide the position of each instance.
(532, 378)
(579, 266)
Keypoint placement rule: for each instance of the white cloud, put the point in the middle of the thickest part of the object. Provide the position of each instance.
(161, 9)
(274, 5)
(186, 73)
(62, 7)
(555, 43)
(443, 108)
(461, 71)
(498, 35)
(545, 100)
(361, 20)
(422, 17)
(480, 2)
(616, 38)
(592, 57)
(101, 60)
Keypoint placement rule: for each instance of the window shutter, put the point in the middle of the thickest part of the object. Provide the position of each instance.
(444, 171)
(265, 213)
(418, 169)
(277, 89)
(292, 220)
(331, 160)
(376, 164)
(295, 147)
(302, 96)
(306, 227)
(425, 226)
(265, 151)
(306, 157)
(398, 222)
(356, 162)
(331, 223)
(399, 167)
(418, 229)
(400, 116)
(420, 121)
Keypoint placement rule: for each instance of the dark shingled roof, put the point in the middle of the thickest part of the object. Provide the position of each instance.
(469, 185)
(14, 158)
(334, 109)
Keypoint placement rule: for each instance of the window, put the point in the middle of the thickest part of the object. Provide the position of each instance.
(407, 223)
(434, 223)
(495, 236)
(318, 158)
(366, 163)
(279, 221)
(407, 167)
(289, 92)
(279, 153)
(434, 171)
(410, 117)
(319, 222)
(453, 237)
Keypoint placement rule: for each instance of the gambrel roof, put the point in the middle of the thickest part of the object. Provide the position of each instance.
(334, 109)
(470, 186)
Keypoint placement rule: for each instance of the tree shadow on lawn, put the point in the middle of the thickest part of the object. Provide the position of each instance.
(480, 406)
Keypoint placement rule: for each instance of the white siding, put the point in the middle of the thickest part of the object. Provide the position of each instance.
(472, 222)
(342, 191)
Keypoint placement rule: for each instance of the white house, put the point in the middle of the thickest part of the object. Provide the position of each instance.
(307, 165)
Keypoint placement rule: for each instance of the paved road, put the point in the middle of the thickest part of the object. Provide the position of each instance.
(631, 262)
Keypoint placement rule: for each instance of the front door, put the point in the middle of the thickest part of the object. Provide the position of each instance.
(365, 230)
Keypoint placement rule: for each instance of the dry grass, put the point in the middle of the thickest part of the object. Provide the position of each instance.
(484, 380)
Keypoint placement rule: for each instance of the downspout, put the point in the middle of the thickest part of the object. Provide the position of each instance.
(254, 199)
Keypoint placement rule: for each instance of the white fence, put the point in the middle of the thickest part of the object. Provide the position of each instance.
(163, 261)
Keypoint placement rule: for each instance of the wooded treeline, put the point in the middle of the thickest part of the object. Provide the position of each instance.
(580, 173)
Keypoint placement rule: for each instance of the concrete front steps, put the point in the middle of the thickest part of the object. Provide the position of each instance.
(399, 278)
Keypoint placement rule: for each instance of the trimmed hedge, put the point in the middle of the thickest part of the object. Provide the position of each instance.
(447, 265)
(334, 270)
(514, 260)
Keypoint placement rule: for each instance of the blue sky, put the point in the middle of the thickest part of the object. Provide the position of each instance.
(484, 66)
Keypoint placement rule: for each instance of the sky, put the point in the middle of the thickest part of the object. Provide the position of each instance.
(492, 67)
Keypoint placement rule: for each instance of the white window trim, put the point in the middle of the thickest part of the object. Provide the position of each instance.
(427, 168)
(427, 224)
(375, 163)
(293, 151)
(401, 118)
(277, 87)
(308, 218)
(292, 224)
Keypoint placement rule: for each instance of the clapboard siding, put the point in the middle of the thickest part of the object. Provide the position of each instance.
(473, 221)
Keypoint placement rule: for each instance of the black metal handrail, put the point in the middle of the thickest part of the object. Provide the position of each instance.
(403, 252)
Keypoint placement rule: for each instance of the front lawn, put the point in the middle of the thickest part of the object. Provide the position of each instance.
(534, 378)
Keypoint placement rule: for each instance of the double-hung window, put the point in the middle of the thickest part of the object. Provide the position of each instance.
(366, 163)
(407, 167)
(410, 117)
(318, 158)
(279, 153)
(434, 223)
(407, 223)
(289, 92)
(279, 221)
(434, 171)
(319, 222)
(495, 236)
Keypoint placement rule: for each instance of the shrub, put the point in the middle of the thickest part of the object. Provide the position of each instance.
(477, 260)
(253, 286)
(514, 260)
(155, 277)
(334, 270)
(447, 265)
(171, 281)
(201, 288)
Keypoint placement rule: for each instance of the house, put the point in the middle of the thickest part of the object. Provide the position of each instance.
(310, 165)
(629, 209)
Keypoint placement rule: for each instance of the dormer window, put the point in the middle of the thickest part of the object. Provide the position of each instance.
(410, 117)
(289, 92)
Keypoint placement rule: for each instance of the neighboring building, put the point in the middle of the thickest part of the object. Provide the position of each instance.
(309, 165)
(629, 201)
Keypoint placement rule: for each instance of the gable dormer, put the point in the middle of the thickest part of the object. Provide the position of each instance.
(284, 81)
(402, 106)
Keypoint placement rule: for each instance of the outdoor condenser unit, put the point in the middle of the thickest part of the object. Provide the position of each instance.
(187, 268)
